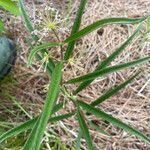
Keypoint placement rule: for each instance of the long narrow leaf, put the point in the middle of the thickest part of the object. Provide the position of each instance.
(113, 91)
(26, 125)
(38, 49)
(100, 114)
(85, 130)
(37, 133)
(29, 124)
(102, 23)
(27, 20)
(107, 61)
(19, 129)
(108, 70)
(10, 6)
(75, 28)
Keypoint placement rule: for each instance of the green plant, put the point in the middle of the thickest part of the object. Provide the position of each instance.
(57, 85)
(10, 6)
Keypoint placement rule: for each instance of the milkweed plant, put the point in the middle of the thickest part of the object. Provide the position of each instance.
(55, 69)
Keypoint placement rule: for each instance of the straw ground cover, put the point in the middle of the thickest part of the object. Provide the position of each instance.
(124, 106)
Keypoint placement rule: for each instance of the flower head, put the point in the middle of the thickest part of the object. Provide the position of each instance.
(50, 19)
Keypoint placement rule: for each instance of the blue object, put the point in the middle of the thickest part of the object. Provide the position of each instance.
(7, 56)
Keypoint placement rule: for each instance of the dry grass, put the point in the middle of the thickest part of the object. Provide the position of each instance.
(131, 105)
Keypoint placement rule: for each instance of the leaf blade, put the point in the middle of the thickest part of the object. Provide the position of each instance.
(27, 20)
(10, 6)
(84, 130)
(37, 133)
(75, 28)
(95, 74)
(109, 59)
(29, 124)
(100, 114)
(101, 23)
(113, 91)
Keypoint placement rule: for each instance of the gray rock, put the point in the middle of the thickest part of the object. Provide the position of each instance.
(7, 56)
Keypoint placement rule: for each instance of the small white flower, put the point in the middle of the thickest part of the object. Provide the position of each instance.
(50, 19)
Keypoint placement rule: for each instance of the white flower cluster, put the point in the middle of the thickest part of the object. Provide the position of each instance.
(48, 20)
